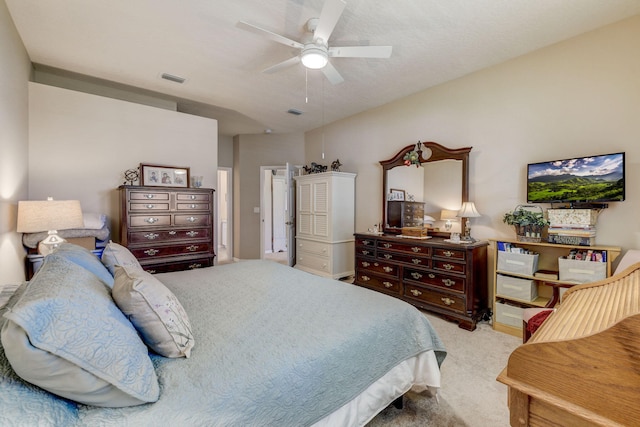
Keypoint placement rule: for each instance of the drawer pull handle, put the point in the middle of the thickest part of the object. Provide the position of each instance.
(365, 252)
(151, 220)
(149, 196)
(447, 301)
(388, 256)
(192, 248)
(366, 278)
(151, 271)
(192, 219)
(193, 206)
(416, 260)
(448, 253)
(150, 206)
(324, 266)
(365, 264)
(387, 245)
(416, 275)
(448, 266)
(387, 285)
(387, 269)
(151, 236)
(151, 252)
(432, 276)
(366, 242)
(448, 282)
(416, 249)
(192, 233)
(415, 292)
(173, 232)
(193, 197)
(196, 265)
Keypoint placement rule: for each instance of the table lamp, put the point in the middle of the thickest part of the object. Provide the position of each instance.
(468, 210)
(448, 215)
(49, 215)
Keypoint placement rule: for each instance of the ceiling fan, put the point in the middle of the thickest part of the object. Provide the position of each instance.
(315, 53)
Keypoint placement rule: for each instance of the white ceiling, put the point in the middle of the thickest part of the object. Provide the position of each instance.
(132, 42)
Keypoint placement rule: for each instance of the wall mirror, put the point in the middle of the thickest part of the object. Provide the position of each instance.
(428, 173)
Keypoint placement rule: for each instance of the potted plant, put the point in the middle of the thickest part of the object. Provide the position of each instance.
(527, 223)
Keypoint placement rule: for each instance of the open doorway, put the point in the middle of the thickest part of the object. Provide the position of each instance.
(274, 209)
(224, 217)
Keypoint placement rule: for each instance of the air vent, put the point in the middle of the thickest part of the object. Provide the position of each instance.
(173, 78)
(294, 111)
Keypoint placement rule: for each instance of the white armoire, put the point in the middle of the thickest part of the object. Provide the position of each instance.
(325, 223)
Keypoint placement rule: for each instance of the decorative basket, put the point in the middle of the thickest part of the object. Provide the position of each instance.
(529, 232)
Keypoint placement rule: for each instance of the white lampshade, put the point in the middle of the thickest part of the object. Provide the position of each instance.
(314, 57)
(448, 214)
(35, 216)
(468, 210)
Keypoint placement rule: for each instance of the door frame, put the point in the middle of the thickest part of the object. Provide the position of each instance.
(218, 225)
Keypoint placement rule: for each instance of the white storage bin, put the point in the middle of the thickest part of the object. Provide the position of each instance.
(509, 314)
(574, 270)
(514, 262)
(514, 287)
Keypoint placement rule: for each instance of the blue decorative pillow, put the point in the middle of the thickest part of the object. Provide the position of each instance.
(25, 402)
(84, 258)
(66, 335)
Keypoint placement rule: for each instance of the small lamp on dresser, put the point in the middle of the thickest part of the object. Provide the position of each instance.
(49, 215)
(468, 210)
(448, 216)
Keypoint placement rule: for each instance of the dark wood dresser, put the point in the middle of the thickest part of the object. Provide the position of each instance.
(167, 229)
(432, 274)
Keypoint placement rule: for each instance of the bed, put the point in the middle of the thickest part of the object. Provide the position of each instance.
(272, 346)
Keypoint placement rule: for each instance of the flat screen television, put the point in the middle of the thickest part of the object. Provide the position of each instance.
(592, 179)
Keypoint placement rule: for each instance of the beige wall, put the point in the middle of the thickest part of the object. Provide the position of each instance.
(14, 128)
(580, 97)
(81, 144)
(249, 153)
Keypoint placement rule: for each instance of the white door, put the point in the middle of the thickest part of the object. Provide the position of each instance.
(290, 211)
(279, 216)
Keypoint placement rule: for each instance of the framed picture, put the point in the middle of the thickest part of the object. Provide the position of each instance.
(164, 176)
(396, 195)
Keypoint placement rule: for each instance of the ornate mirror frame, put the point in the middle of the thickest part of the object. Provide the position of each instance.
(438, 152)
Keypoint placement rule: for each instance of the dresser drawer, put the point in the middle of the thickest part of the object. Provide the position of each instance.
(161, 251)
(452, 267)
(364, 241)
(195, 219)
(404, 247)
(365, 264)
(193, 206)
(148, 195)
(365, 251)
(316, 248)
(418, 259)
(448, 301)
(149, 206)
(193, 197)
(178, 266)
(315, 262)
(369, 280)
(168, 235)
(150, 220)
(435, 279)
(449, 253)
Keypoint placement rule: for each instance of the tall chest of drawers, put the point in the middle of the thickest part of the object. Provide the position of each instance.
(167, 229)
(434, 275)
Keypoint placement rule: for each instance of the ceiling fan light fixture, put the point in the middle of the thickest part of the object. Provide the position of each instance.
(314, 57)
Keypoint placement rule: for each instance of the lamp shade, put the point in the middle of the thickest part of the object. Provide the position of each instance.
(468, 210)
(35, 216)
(448, 214)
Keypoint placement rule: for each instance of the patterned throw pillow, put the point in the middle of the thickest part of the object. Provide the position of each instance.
(154, 311)
(115, 254)
(84, 258)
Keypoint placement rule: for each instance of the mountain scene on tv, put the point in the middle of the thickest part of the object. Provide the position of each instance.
(585, 179)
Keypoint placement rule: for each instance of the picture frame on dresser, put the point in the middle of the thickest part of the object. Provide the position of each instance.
(396, 195)
(164, 176)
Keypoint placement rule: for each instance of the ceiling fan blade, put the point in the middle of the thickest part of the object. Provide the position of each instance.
(331, 12)
(360, 51)
(284, 64)
(269, 34)
(332, 74)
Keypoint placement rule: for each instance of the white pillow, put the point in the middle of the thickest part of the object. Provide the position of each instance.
(154, 311)
(66, 335)
(115, 254)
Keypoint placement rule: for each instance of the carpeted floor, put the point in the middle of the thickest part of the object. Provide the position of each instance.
(470, 395)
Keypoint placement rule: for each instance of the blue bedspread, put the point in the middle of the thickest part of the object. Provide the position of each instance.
(274, 346)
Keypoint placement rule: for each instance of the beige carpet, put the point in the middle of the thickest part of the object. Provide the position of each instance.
(470, 395)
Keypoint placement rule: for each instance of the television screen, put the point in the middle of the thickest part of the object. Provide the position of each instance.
(581, 179)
